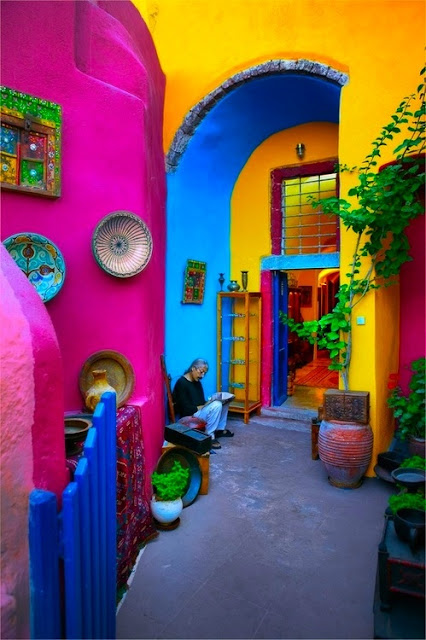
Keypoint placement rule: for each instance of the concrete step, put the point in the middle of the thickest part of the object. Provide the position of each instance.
(290, 413)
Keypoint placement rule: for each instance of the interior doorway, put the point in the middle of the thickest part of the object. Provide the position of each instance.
(311, 294)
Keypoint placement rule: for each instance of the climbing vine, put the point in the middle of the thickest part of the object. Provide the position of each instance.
(378, 209)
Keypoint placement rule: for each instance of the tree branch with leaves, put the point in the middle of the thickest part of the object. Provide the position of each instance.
(378, 210)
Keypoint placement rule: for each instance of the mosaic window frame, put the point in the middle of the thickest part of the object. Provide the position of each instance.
(194, 282)
(30, 145)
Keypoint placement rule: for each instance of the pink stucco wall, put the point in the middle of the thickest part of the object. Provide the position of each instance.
(32, 442)
(98, 61)
(412, 303)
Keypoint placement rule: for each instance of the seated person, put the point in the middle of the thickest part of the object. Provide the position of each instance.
(188, 396)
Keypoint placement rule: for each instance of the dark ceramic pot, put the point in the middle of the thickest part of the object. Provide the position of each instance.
(410, 527)
(233, 286)
(416, 446)
(389, 460)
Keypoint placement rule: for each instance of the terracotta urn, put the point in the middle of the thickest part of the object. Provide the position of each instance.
(345, 439)
(345, 449)
(100, 386)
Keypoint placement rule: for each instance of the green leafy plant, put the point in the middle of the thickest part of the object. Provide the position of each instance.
(415, 462)
(378, 210)
(410, 410)
(407, 501)
(170, 485)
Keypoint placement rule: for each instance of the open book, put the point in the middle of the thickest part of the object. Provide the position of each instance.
(223, 396)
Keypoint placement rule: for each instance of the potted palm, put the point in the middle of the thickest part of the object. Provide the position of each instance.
(410, 410)
(169, 487)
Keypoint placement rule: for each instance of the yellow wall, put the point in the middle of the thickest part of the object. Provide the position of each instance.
(251, 209)
(378, 43)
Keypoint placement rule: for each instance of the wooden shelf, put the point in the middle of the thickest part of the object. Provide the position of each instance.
(238, 360)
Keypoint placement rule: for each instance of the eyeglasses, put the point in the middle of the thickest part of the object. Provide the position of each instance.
(201, 370)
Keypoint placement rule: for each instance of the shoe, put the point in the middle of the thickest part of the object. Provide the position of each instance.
(216, 444)
(223, 433)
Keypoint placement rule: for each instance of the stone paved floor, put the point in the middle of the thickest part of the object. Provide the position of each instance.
(273, 550)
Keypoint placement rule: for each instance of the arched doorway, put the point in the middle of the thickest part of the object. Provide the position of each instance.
(205, 161)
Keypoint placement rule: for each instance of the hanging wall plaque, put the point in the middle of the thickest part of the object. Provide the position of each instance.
(194, 282)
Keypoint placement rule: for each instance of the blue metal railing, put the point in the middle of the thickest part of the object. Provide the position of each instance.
(79, 542)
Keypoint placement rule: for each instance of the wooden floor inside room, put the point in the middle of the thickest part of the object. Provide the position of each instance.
(317, 374)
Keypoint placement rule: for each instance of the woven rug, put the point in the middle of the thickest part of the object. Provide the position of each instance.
(317, 375)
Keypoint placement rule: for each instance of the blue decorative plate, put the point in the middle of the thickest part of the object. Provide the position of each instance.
(40, 260)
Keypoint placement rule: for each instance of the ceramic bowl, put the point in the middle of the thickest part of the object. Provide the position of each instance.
(76, 429)
(411, 479)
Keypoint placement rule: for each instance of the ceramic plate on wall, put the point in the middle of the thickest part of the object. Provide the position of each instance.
(40, 260)
(119, 372)
(122, 244)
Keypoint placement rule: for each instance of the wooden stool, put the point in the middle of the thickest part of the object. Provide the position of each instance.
(203, 461)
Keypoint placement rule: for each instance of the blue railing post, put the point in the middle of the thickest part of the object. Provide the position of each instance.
(109, 400)
(45, 616)
(99, 425)
(72, 563)
(81, 477)
(91, 451)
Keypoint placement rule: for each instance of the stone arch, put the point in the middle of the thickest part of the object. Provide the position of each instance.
(271, 67)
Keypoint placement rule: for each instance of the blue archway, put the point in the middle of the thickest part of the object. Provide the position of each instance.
(200, 185)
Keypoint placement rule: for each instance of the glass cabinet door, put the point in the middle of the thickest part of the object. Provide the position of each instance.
(239, 349)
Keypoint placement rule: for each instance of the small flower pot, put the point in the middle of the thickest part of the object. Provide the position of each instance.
(166, 511)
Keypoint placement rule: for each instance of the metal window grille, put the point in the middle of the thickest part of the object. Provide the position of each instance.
(306, 230)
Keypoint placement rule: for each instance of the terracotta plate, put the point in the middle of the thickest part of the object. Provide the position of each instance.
(120, 373)
(40, 260)
(122, 244)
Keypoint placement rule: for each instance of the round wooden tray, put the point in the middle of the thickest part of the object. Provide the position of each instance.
(120, 374)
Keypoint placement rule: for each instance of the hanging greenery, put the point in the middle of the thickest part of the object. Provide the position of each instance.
(378, 210)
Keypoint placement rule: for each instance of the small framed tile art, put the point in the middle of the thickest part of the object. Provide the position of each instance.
(194, 282)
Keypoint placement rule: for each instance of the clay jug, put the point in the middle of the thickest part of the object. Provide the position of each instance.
(99, 386)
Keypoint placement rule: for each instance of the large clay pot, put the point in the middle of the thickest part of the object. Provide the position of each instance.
(345, 449)
(99, 386)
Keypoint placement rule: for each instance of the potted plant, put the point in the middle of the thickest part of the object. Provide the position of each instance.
(408, 507)
(407, 501)
(378, 210)
(169, 487)
(410, 409)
